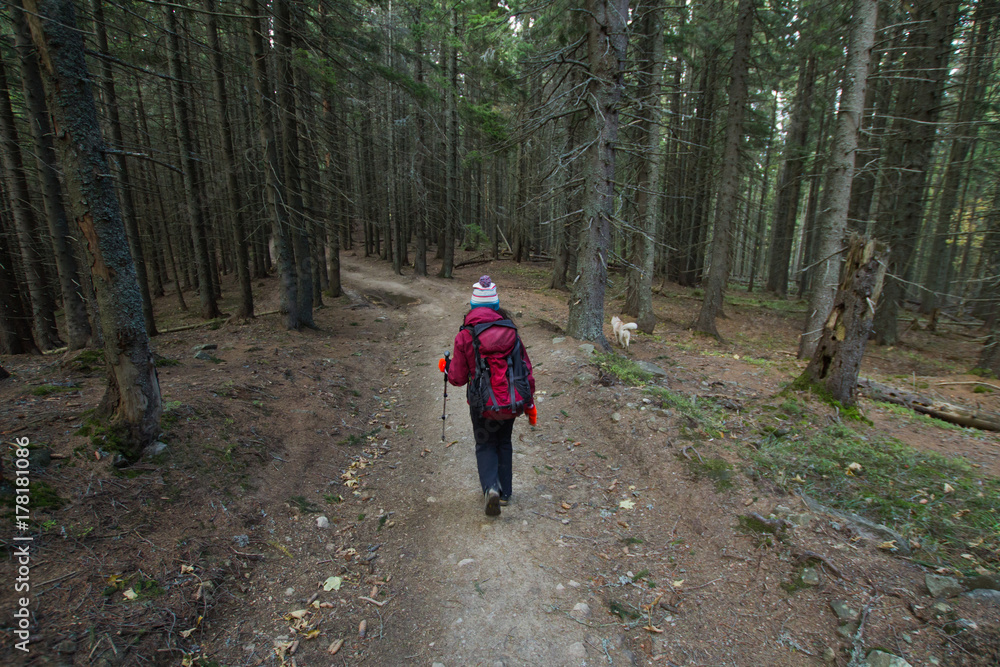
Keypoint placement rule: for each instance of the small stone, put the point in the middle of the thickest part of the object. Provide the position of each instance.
(437, 664)
(558, 339)
(616, 416)
(882, 659)
(942, 587)
(580, 610)
(203, 356)
(960, 625)
(577, 651)
(942, 609)
(587, 349)
(66, 646)
(829, 655)
(431, 499)
(574, 584)
(847, 630)
(982, 581)
(241, 540)
(983, 595)
(157, 448)
(844, 611)
(800, 520)
(466, 561)
(289, 592)
(809, 576)
(907, 638)
(781, 511)
(652, 369)
(560, 589)
(322, 522)
(204, 346)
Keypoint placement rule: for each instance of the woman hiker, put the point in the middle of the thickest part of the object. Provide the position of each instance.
(495, 397)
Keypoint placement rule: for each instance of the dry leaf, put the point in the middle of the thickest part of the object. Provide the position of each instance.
(335, 646)
(627, 504)
(948, 488)
(130, 594)
(297, 614)
(374, 592)
(187, 633)
(362, 629)
(186, 569)
(332, 584)
(677, 584)
(888, 545)
(312, 634)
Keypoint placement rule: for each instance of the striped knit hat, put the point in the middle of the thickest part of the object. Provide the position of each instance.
(484, 293)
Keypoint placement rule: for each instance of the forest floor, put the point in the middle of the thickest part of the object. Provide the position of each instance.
(306, 502)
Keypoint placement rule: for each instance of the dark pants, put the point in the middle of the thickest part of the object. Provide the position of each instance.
(494, 453)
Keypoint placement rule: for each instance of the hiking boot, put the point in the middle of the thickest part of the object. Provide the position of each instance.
(504, 501)
(492, 503)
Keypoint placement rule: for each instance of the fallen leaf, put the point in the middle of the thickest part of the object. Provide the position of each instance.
(374, 592)
(973, 545)
(677, 584)
(186, 569)
(567, 506)
(187, 633)
(335, 646)
(332, 584)
(297, 614)
(627, 504)
(948, 488)
(888, 545)
(652, 628)
(130, 594)
(968, 557)
(312, 634)
(798, 478)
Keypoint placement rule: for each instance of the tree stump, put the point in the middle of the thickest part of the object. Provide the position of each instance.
(837, 360)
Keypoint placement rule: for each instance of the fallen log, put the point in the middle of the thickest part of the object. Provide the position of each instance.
(949, 412)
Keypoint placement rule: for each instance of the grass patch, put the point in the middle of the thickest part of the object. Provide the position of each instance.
(623, 368)
(716, 469)
(304, 505)
(704, 412)
(163, 362)
(87, 361)
(47, 389)
(896, 485)
(623, 612)
(927, 420)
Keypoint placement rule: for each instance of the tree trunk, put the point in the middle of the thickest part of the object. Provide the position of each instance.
(901, 199)
(15, 327)
(189, 168)
(639, 292)
(133, 395)
(837, 359)
(125, 191)
(967, 120)
(244, 310)
(606, 46)
(786, 208)
(451, 184)
(729, 180)
(265, 103)
(78, 331)
(832, 221)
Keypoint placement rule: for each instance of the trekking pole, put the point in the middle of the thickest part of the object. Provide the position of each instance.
(444, 413)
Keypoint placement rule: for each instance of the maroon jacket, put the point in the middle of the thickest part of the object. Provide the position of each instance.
(494, 339)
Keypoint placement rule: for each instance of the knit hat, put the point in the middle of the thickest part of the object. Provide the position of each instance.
(484, 293)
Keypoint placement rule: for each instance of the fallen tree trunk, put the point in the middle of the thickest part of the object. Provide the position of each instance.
(949, 412)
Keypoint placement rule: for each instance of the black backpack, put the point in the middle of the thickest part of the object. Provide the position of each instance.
(499, 388)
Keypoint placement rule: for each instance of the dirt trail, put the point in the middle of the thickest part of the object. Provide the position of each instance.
(480, 590)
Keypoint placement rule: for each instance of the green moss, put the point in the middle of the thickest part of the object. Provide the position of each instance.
(803, 383)
(717, 469)
(623, 368)
(47, 389)
(303, 505)
(623, 612)
(88, 361)
(163, 362)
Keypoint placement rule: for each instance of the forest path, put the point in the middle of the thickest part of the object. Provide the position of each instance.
(477, 590)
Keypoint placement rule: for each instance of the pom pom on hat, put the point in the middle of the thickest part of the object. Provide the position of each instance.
(484, 293)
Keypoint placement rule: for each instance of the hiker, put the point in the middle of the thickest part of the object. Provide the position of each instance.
(488, 338)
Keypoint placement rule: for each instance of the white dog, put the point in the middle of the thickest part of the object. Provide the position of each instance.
(622, 330)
